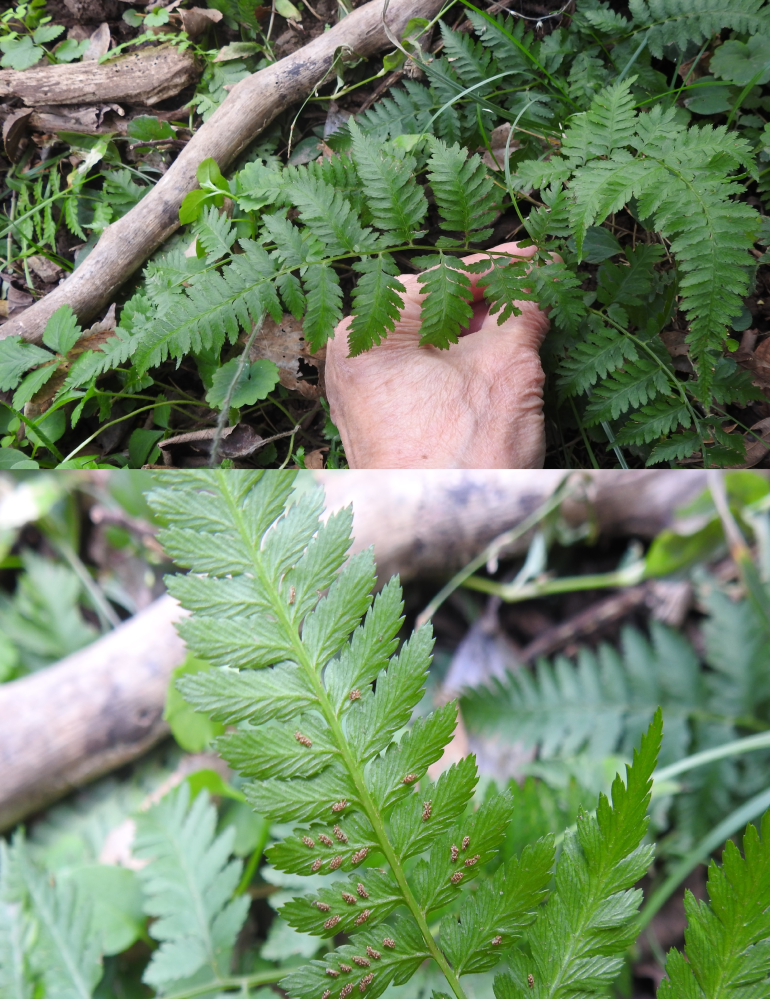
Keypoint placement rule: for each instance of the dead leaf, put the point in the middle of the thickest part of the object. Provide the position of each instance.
(45, 269)
(315, 459)
(18, 301)
(14, 132)
(285, 345)
(236, 442)
(3, 308)
(498, 139)
(195, 20)
(757, 443)
(99, 43)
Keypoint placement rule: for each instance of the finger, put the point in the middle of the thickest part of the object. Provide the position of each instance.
(523, 332)
(512, 249)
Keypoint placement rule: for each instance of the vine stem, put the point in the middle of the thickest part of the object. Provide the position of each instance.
(259, 978)
(280, 608)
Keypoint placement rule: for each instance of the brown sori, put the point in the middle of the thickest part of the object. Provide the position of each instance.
(359, 855)
(363, 917)
(456, 877)
(331, 921)
(350, 899)
(342, 838)
(339, 805)
(317, 864)
(361, 962)
(388, 942)
(335, 862)
(472, 861)
(362, 891)
(303, 739)
(323, 906)
(373, 954)
(366, 980)
(309, 843)
(326, 840)
(346, 990)
(466, 842)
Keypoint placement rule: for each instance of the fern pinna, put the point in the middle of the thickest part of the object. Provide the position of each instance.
(318, 698)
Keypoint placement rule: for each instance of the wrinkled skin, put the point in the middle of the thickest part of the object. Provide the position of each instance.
(478, 404)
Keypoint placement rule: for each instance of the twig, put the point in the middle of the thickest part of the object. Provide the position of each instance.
(586, 622)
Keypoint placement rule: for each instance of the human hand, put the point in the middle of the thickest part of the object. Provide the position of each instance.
(478, 404)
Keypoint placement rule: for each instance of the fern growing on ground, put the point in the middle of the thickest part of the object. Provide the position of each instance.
(597, 131)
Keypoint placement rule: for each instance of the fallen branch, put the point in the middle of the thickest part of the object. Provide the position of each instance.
(102, 707)
(145, 77)
(92, 712)
(250, 106)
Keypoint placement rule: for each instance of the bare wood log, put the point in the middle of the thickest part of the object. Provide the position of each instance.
(92, 712)
(423, 523)
(145, 77)
(102, 706)
(250, 106)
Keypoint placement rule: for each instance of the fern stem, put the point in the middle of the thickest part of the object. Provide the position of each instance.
(492, 550)
(510, 593)
(370, 809)
(738, 746)
(259, 978)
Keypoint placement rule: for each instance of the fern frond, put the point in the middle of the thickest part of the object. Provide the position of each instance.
(317, 729)
(406, 111)
(377, 302)
(216, 233)
(727, 940)
(656, 419)
(600, 706)
(601, 187)
(505, 284)
(394, 198)
(611, 119)
(637, 383)
(678, 22)
(678, 447)
(445, 309)
(463, 192)
(65, 952)
(329, 216)
(577, 945)
(324, 304)
(501, 33)
(493, 917)
(602, 351)
(188, 887)
(212, 309)
(469, 59)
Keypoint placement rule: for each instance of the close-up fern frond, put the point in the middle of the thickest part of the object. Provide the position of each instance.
(727, 945)
(320, 699)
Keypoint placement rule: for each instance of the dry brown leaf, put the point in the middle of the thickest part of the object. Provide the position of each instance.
(45, 269)
(14, 131)
(284, 344)
(757, 444)
(99, 43)
(315, 459)
(195, 20)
